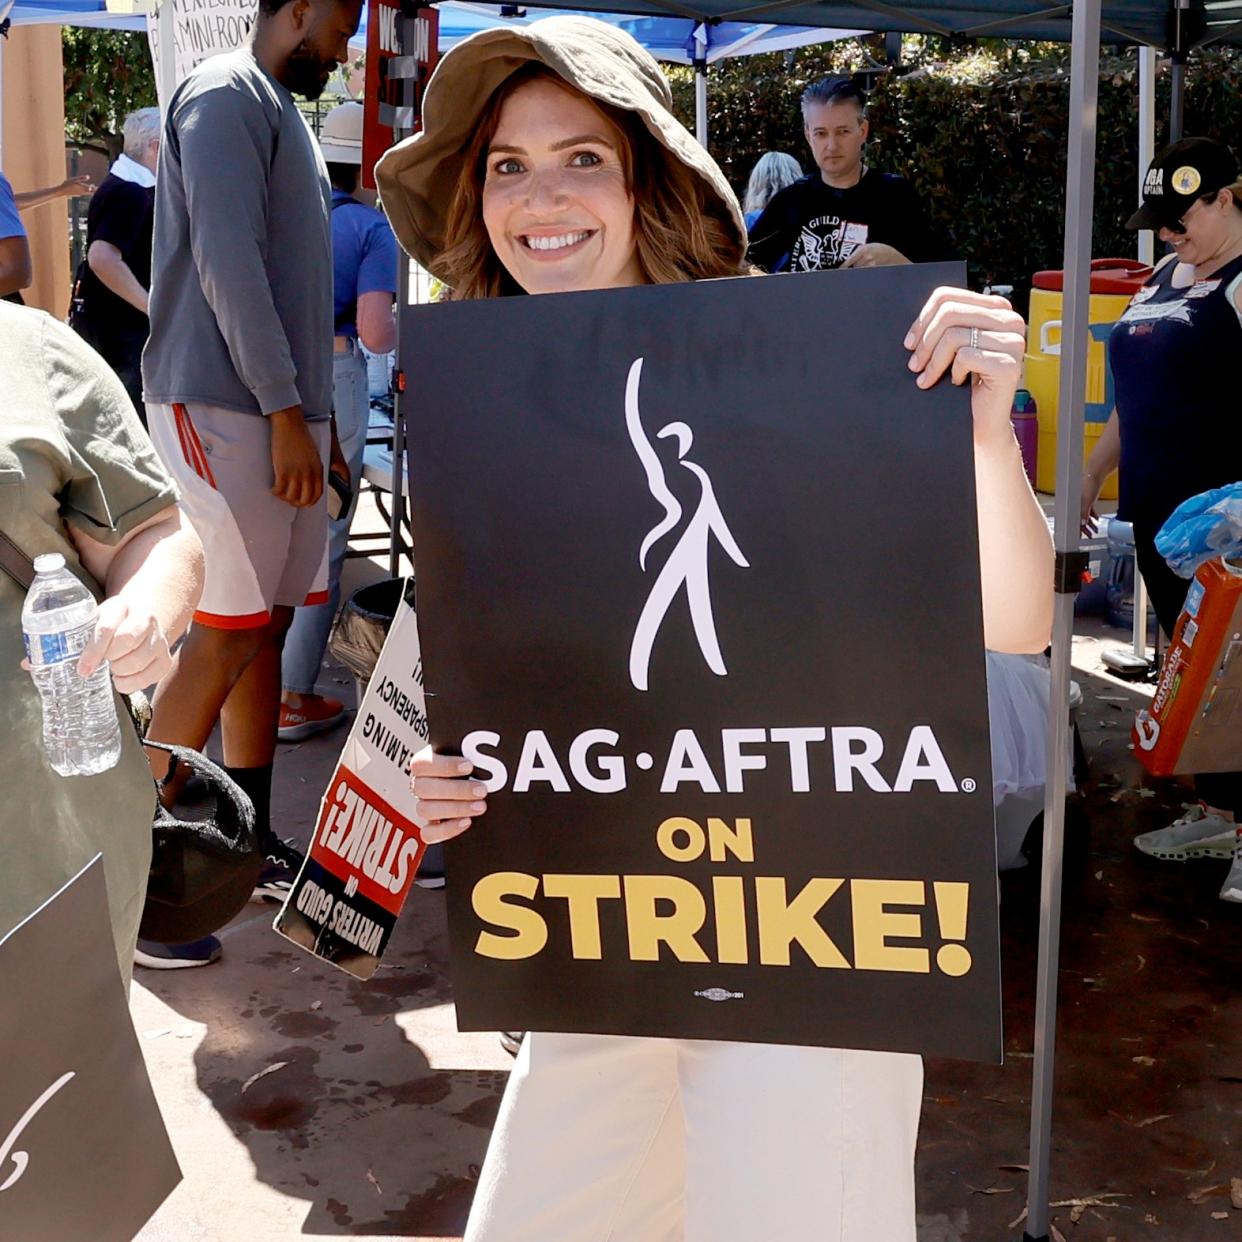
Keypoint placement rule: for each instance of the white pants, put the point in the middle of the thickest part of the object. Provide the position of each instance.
(604, 1138)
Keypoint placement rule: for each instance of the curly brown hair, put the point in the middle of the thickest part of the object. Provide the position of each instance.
(682, 231)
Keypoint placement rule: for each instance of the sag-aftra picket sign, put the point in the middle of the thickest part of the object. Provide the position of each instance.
(698, 593)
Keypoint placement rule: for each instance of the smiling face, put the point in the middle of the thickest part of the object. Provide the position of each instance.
(1211, 228)
(835, 133)
(556, 204)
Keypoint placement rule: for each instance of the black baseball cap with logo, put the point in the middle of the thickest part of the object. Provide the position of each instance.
(1181, 173)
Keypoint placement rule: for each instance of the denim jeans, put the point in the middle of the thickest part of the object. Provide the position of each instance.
(308, 635)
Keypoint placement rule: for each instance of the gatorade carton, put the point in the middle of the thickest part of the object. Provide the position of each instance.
(1194, 723)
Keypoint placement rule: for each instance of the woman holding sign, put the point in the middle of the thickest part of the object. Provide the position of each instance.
(551, 162)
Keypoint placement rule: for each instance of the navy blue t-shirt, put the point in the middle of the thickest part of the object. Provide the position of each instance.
(1174, 356)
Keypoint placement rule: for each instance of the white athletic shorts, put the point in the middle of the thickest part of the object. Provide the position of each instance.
(260, 551)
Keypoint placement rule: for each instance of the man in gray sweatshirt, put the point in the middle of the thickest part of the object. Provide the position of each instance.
(237, 380)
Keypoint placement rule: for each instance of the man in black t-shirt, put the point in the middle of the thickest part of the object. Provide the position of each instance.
(844, 214)
(111, 307)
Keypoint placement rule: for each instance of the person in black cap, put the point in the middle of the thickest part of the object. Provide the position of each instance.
(1175, 431)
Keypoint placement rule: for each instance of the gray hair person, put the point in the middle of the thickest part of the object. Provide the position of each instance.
(141, 128)
(773, 171)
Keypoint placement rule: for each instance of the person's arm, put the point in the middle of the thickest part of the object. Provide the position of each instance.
(152, 580)
(115, 274)
(16, 272)
(377, 289)
(68, 188)
(377, 324)
(1104, 459)
(225, 141)
(1015, 549)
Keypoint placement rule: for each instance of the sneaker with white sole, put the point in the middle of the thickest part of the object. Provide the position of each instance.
(1198, 834)
(1231, 890)
(315, 714)
(282, 860)
(274, 883)
(177, 956)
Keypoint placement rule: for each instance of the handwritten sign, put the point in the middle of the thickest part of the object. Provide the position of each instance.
(201, 28)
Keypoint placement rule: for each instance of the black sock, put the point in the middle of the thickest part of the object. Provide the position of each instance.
(256, 784)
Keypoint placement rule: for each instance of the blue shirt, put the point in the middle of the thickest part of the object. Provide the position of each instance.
(10, 222)
(364, 258)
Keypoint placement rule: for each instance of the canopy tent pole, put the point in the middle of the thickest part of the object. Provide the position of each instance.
(1079, 201)
(1146, 254)
(166, 70)
(1146, 141)
(1177, 97)
(700, 102)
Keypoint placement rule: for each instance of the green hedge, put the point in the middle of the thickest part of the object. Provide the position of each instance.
(987, 152)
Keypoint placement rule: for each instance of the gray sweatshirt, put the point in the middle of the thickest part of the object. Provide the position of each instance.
(241, 294)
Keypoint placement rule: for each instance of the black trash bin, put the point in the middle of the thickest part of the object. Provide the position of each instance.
(365, 620)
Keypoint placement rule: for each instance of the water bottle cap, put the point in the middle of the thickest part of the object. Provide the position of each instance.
(49, 563)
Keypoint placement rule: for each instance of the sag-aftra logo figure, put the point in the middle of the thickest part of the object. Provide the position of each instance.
(687, 562)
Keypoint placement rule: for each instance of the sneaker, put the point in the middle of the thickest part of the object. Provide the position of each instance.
(429, 879)
(315, 714)
(284, 853)
(177, 956)
(282, 860)
(511, 1041)
(1198, 834)
(1231, 890)
(274, 883)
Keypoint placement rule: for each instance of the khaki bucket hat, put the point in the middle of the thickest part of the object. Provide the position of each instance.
(417, 177)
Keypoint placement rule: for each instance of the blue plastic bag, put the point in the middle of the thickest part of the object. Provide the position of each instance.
(1202, 528)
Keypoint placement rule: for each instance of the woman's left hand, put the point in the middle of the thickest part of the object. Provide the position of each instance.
(977, 336)
(132, 641)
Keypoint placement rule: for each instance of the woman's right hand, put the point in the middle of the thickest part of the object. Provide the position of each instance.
(448, 797)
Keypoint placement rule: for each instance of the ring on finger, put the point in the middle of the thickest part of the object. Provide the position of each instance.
(974, 338)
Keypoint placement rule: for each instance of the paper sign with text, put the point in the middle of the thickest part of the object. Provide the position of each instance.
(201, 28)
(699, 597)
(367, 845)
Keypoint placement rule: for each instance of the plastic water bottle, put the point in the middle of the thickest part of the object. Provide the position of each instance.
(81, 732)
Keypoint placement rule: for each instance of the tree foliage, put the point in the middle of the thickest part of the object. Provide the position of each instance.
(108, 73)
(982, 136)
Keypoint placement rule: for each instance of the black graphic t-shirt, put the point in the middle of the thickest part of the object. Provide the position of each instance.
(810, 226)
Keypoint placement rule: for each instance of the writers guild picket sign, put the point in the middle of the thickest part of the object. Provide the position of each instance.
(699, 596)
(367, 846)
(83, 1150)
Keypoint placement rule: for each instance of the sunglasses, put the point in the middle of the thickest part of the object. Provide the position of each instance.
(1179, 226)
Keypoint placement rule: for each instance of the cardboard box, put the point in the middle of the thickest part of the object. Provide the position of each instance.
(1195, 720)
